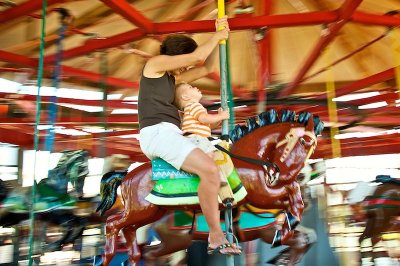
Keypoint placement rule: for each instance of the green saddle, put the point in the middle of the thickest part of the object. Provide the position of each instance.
(163, 170)
(177, 187)
(47, 199)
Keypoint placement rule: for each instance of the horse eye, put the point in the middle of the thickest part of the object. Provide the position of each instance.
(302, 141)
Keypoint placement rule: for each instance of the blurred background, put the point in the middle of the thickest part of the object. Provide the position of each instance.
(336, 59)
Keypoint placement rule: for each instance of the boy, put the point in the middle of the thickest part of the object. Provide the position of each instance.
(196, 122)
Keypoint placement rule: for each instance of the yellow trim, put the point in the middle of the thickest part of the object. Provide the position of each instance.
(396, 56)
(221, 13)
(391, 236)
(332, 108)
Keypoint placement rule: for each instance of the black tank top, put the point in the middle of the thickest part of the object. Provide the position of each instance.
(156, 101)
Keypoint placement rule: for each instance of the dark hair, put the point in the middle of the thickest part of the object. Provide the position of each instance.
(177, 44)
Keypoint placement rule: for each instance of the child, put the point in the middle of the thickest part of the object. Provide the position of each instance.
(196, 122)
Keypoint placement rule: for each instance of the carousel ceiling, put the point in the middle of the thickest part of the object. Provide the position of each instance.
(283, 54)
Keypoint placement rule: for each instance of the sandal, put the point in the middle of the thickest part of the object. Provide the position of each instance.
(219, 250)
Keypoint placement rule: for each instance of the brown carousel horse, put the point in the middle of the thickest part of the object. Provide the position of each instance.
(272, 152)
(174, 238)
(382, 210)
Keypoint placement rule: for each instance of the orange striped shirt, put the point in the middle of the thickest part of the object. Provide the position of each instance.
(191, 123)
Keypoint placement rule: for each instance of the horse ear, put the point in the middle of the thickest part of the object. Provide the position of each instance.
(287, 116)
(318, 125)
(310, 124)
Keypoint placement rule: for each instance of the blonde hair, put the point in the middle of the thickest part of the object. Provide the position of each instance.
(178, 96)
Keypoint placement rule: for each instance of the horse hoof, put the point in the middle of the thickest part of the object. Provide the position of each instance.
(277, 239)
(97, 260)
(53, 247)
(125, 263)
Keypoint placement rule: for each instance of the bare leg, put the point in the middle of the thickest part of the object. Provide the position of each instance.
(199, 163)
(222, 177)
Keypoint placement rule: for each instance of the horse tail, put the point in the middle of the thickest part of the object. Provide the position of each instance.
(108, 189)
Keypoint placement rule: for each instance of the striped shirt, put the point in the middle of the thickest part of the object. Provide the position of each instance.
(191, 123)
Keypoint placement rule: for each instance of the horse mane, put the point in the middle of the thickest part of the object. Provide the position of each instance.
(273, 117)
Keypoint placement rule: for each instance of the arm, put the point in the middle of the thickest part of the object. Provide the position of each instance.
(206, 118)
(200, 71)
(158, 65)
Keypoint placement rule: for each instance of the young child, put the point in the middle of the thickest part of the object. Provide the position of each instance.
(196, 122)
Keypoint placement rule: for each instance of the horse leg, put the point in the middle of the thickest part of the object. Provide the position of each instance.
(171, 241)
(113, 225)
(300, 243)
(124, 220)
(366, 254)
(294, 213)
(131, 244)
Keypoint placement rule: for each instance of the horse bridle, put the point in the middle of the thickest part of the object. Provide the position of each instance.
(271, 169)
(291, 138)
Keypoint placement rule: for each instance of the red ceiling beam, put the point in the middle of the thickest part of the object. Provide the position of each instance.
(237, 92)
(24, 9)
(47, 99)
(265, 65)
(363, 83)
(18, 59)
(15, 136)
(373, 19)
(113, 119)
(239, 23)
(382, 148)
(129, 13)
(33, 63)
(344, 14)
(383, 144)
(92, 76)
(387, 97)
(249, 22)
(99, 44)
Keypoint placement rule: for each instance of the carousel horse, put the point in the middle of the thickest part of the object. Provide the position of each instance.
(381, 208)
(260, 224)
(53, 204)
(267, 155)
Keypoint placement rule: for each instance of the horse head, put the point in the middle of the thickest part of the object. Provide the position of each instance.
(282, 141)
(72, 167)
(293, 149)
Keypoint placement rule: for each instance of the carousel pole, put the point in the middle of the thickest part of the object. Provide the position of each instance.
(223, 73)
(225, 125)
(64, 17)
(36, 136)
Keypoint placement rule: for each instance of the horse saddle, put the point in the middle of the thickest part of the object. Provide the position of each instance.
(387, 179)
(177, 187)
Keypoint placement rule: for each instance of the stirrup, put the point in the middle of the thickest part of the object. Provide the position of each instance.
(226, 194)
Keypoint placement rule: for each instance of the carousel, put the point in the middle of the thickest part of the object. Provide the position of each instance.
(309, 156)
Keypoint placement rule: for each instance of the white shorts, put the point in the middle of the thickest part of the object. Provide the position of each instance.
(202, 142)
(165, 140)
